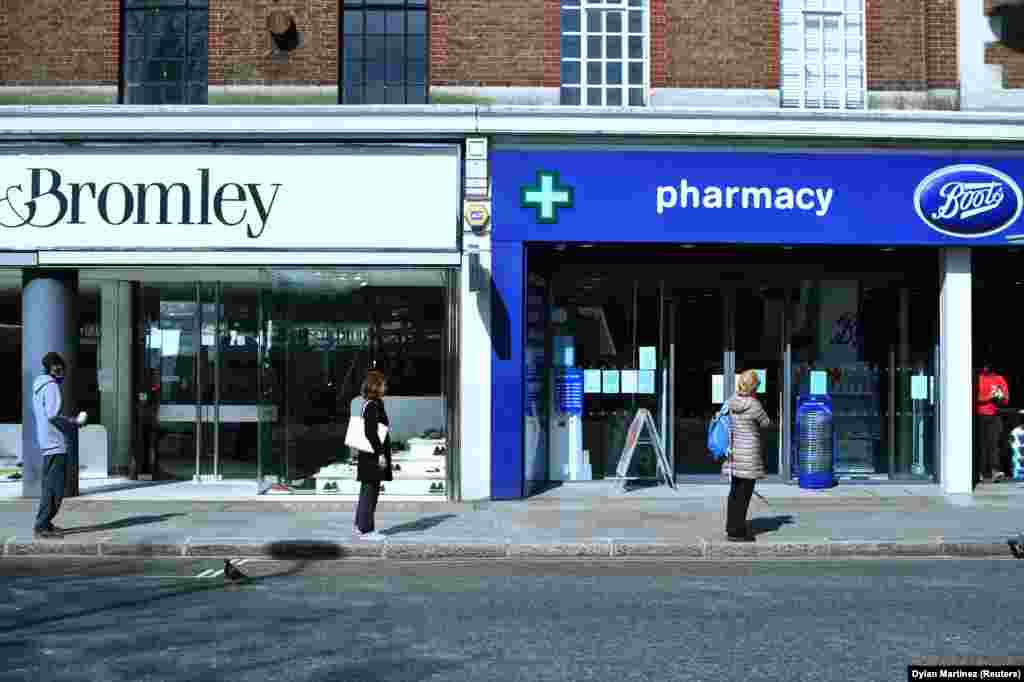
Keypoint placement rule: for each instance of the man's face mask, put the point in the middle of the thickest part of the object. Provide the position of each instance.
(58, 374)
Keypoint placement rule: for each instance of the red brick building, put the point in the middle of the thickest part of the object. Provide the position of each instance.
(814, 53)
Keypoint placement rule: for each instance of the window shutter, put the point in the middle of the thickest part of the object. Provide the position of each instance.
(822, 49)
(856, 97)
(792, 58)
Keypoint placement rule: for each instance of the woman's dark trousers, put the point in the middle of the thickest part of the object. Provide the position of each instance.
(368, 494)
(740, 491)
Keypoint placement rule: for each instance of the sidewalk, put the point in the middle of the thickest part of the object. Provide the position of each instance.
(589, 520)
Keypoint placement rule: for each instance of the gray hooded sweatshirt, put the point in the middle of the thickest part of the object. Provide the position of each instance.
(46, 404)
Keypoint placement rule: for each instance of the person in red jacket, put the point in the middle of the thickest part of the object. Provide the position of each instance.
(993, 393)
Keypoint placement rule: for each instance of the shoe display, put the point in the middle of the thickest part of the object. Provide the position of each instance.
(372, 536)
(46, 534)
(998, 476)
(82, 419)
(740, 538)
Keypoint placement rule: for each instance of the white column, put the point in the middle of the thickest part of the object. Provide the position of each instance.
(475, 371)
(955, 413)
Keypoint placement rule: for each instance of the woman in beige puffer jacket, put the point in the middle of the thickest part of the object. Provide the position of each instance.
(748, 418)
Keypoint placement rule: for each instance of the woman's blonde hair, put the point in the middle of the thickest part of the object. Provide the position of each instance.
(373, 384)
(748, 383)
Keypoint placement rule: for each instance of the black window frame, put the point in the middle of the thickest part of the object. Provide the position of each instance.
(408, 7)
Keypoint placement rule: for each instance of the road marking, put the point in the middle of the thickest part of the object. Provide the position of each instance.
(216, 573)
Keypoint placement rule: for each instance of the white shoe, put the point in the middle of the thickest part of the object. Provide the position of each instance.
(82, 419)
(372, 536)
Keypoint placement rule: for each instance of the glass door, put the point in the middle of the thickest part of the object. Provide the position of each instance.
(760, 319)
(236, 351)
(694, 323)
(169, 394)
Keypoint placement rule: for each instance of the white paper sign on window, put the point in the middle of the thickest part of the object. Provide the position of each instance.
(630, 381)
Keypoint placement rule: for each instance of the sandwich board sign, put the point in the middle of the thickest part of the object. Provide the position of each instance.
(643, 418)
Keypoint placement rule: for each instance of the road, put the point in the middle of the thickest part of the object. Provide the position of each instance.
(99, 619)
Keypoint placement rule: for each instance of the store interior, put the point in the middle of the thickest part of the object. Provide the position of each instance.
(657, 327)
(252, 373)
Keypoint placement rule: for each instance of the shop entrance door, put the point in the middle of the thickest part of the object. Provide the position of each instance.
(759, 321)
(694, 327)
(200, 377)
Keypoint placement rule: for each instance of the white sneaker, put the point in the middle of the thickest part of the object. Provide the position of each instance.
(372, 536)
(82, 419)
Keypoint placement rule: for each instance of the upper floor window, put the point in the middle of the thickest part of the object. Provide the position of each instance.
(823, 54)
(605, 52)
(384, 52)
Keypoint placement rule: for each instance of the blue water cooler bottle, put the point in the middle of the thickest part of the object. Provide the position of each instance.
(815, 442)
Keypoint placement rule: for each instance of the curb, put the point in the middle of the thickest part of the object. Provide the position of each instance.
(423, 551)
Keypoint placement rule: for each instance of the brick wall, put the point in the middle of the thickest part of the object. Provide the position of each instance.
(896, 45)
(695, 43)
(495, 42)
(942, 26)
(240, 42)
(4, 40)
(59, 41)
(721, 44)
(912, 45)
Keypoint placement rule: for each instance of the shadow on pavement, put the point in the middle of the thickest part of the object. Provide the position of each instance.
(425, 523)
(306, 549)
(122, 523)
(770, 524)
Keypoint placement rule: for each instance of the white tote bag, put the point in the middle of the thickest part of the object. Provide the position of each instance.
(355, 435)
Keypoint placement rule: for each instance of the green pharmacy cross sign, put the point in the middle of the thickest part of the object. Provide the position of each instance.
(547, 196)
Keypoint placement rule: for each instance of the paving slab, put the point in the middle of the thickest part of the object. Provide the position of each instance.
(872, 521)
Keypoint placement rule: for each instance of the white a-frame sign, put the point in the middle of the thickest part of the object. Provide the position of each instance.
(643, 418)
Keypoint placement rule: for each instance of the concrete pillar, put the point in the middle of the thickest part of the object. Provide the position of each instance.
(117, 383)
(49, 323)
(475, 373)
(956, 446)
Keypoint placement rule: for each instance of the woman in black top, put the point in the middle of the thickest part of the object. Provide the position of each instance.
(369, 471)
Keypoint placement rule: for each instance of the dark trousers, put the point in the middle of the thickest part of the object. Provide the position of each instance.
(740, 491)
(53, 491)
(988, 453)
(367, 507)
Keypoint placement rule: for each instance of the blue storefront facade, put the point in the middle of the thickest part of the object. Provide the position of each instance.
(660, 271)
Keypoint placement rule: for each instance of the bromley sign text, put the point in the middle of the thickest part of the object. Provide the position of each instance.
(45, 198)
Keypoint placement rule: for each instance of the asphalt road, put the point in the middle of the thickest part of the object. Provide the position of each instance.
(94, 619)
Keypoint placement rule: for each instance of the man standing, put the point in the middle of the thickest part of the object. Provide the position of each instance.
(52, 431)
(993, 393)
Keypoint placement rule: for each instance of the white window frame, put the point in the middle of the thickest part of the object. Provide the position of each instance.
(624, 7)
(805, 10)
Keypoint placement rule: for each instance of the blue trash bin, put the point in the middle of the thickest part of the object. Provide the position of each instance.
(815, 442)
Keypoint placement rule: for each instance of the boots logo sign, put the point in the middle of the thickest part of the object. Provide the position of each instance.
(968, 201)
(45, 198)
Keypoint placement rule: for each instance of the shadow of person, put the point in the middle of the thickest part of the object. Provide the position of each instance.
(770, 524)
(418, 525)
(122, 523)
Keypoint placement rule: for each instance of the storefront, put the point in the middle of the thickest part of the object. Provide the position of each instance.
(219, 305)
(658, 272)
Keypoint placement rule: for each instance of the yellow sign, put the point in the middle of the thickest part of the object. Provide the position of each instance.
(477, 214)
